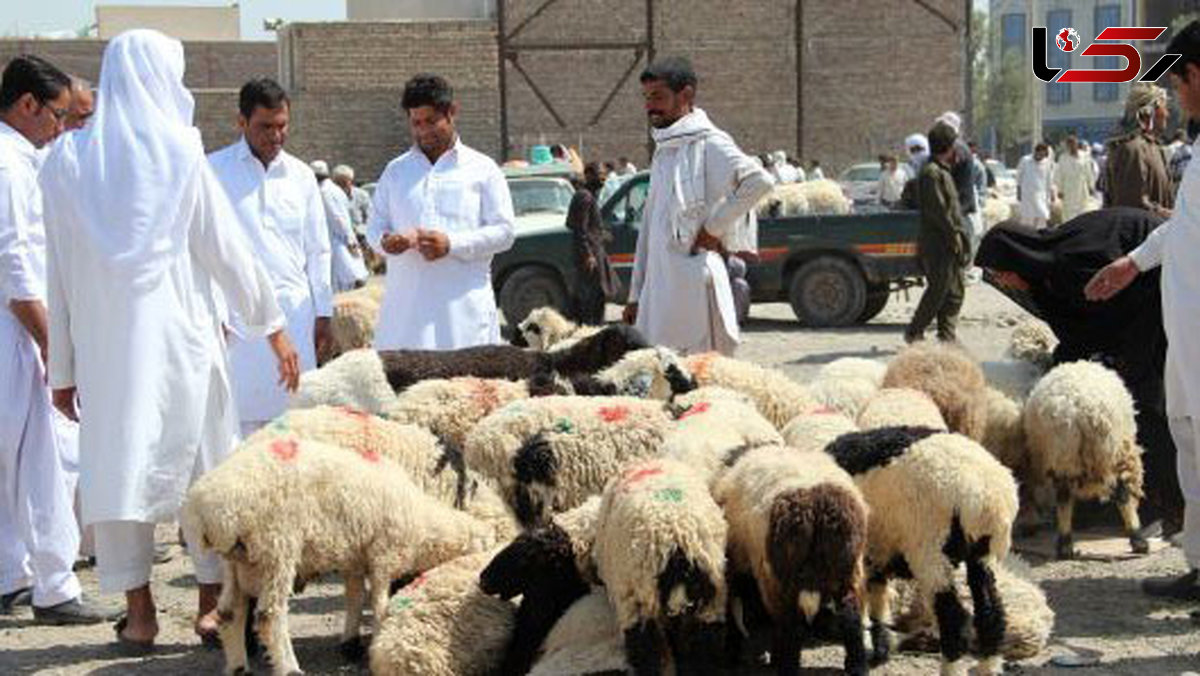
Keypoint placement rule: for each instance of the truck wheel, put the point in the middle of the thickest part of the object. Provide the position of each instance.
(828, 291)
(877, 299)
(530, 288)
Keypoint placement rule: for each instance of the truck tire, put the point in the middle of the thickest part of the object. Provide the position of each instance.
(828, 292)
(877, 299)
(529, 288)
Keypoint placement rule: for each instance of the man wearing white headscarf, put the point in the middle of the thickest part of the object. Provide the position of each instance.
(918, 154)
(782, 170)
(139, 238)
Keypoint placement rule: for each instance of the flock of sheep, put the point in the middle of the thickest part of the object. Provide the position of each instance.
(593, 504)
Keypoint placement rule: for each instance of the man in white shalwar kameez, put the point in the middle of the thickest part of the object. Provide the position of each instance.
(1035, 187)
(348, 270)
(139, 236)
(441, 211)
(279, 208)
(1076, 177)
(701, 188)
(1175, 246)
(39, 536)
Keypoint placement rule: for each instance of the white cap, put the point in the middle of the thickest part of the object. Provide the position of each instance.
(343, 171)
(953, 119)
(319, 167)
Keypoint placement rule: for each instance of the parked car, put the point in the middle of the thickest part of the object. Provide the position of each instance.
(861, 183)
(833, 270)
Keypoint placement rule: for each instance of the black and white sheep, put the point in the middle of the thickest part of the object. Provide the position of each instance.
(713, 425)
(653, 373)
(545, 329)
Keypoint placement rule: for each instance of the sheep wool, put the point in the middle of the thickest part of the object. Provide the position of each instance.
(798, 525)
(436, 469)
(1032, 341)
(815, 431)
(546, 329)
(355, 314)
(585, 640)
(712, 427)
(950, 377)
(855, 368)
(1005, 434)
(1082, 438)
(995, 210)
(892, 407)
(652, 373)
(355, 379)
(551, 453)
(825, 197)
(285, 509)
(847, 396)
(442, 624)
(778, 397)
(660, 552)
(451, 408)
(788, 199)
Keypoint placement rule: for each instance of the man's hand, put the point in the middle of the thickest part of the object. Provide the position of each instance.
(590, 263)
(629, 316)
(432, 244)
(289, 361)
(396, 243)
(1112, 279)
(64, 401)
(706, 242)
(323, 337)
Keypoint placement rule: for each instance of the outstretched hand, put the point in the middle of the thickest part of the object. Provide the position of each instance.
(1111, 280)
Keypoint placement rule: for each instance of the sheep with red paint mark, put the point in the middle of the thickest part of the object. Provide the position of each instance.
(284, 509)
(660, 552)
(551, 453)
(777, 397)
(451, 408)
(712, 426)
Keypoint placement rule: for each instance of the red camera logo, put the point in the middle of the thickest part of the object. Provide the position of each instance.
(1067, 40)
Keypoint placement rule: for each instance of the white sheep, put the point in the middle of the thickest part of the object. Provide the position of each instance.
(950, 377)
(1033, 341)
(285, 509)
(936, 500)
(585, 640)
(892, 407)
(355, 379)
(653, 373)
(785, 199)
(355, 314)
(1082, 440)
(442, 624)
(815, 431)
(549, 454)
(847, 396)
(545, 329)
(778, 397)
(854, 367)
(451, 408)
(436, 468)
(660, 552)
(825, 196)
(798, 526)
(712, 426)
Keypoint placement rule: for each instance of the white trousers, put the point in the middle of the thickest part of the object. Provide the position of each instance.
(39, 535)
(125, 557)
(1185, 435)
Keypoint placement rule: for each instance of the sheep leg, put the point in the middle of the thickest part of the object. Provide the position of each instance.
(990, 620)
(272, 620)
(644, 648)
(351, 646)
(1065, 547)
(850, 620)
(232, 608)
(380, 586)
(880, 613)
(1128, 505)
(785, 646)
(734, 640)
(952, 625)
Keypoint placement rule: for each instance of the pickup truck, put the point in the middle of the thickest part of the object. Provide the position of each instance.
(833, 270)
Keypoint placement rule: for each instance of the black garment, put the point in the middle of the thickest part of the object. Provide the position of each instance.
(591, 287)
(1124, 333)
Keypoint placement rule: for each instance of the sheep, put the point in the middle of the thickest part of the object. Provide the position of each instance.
(936, 500)
(995, 210)
(1004, 435)
(354, 379)
(1033, 341)
(1029, 619)
(1082, 438)
(815, 431)
(355, 314)
(847, 396)
(778, 398)
(660, 552)
(442, 624)
(798, 525)
(550, 567)
(950, 377)
(436, 468)
(825, 197)
(1013, 377)
(403, 368)
(585, 640)
(450, 408)
(900, 406)
(545, 329)
(549, 454)
(854, 367)
(712, 426)
(652, 373)
(788, 199)
(286, 508)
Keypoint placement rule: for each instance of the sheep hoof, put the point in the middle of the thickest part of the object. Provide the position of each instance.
(1139, 544)
(881, 645)
(353, 649)
(1065, 549)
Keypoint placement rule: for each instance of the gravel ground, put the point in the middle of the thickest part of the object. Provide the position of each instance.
(1101, 615)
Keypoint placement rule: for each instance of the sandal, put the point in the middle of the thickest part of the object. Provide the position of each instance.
(129, 647)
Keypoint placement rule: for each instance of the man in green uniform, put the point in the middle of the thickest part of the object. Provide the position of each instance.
(941, 243)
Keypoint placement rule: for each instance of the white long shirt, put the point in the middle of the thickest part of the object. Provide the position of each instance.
(891, 185)
(447, 303)
(347, 269)
(1175, 245)
(22, 235)
(280, 212)
(1035, 180)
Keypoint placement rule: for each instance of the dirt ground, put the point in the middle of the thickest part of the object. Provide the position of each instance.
(1101, 614)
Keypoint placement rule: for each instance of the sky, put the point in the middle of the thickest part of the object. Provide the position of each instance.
(25, 17)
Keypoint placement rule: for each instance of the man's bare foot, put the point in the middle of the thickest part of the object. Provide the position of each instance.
(140, 624)
(208, 621)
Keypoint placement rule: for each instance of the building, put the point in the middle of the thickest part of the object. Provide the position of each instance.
(419, 10)
(181, 22)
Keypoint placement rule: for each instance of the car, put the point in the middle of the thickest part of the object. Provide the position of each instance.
(861, 182)
(833, 270)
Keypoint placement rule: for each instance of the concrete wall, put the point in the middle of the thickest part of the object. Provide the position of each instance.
(184, 23)
(380, 10)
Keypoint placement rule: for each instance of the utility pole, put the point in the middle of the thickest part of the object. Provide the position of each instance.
(1038, 92)
(969, 74)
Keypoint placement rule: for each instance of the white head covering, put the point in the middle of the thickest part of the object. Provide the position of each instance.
(320, 168)
(951, 118)
(342, 171)
(140, 158)
(917, 140)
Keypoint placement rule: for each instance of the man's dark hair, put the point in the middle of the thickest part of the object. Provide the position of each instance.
(675, 71)
(428, 89)
(941, 138)
(1186, 42)
(261, 92)
(29, 74)
(1042, 146)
